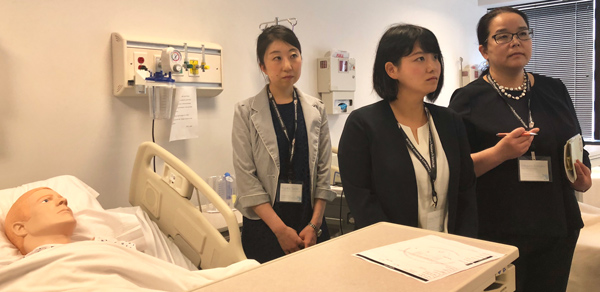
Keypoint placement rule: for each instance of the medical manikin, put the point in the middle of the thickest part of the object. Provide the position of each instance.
(39, 217)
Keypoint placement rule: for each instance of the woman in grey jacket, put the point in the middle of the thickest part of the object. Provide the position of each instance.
(281, 156)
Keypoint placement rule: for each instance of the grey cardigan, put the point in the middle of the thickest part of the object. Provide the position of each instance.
(256, 154)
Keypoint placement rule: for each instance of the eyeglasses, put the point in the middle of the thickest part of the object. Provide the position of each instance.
(506, 37)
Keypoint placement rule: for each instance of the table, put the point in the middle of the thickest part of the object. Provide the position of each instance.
(330, 266)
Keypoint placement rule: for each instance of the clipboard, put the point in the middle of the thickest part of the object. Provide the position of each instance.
(573, 151)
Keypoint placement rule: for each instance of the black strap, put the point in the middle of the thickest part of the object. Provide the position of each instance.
(292, 142)
(431, 170)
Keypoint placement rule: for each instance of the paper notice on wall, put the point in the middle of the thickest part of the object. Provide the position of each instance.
(185, 121)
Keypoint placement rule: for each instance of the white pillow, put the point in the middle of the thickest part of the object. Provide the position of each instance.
(92, 219)
(79, 195)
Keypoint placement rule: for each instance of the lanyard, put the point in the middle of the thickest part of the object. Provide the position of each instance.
(431, 170)
(292, 142)
(531, 123)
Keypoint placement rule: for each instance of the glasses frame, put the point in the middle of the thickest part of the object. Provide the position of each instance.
(513, 35)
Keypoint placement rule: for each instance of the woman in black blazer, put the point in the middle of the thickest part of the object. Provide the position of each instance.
(386, 148)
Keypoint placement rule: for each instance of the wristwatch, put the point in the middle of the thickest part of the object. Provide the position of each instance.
(317, 230)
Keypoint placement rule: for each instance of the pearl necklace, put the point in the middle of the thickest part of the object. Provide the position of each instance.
(503, 89)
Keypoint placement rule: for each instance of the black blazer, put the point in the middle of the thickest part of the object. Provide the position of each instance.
(379, 178)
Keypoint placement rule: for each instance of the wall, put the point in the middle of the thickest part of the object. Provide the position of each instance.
(498, 3)
(58, 114)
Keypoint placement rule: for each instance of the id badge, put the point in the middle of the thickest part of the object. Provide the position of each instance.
(535, 170)
(290, 192)
(434, 220)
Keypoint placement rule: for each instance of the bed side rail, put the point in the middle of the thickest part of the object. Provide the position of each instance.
(166, 201)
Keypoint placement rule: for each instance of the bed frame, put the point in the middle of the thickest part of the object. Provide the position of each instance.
(166, 200)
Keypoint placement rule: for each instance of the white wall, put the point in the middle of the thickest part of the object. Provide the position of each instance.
(58, 114)
(498, 3)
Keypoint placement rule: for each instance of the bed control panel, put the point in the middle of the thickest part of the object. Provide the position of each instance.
(177, 181)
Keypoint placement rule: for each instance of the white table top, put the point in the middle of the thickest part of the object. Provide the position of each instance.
(330, 266)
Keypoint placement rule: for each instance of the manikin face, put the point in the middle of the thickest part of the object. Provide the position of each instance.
(417, 74)
(283, 64)
(38, 217)
(512, 55)
(48, 214)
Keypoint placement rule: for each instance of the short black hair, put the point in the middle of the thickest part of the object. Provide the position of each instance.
(397, 42)
(483, 26)
(271, 34)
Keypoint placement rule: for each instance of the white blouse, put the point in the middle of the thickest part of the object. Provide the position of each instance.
(430, 218)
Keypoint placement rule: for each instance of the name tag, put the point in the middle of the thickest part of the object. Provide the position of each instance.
(290, 193)
(537, 170)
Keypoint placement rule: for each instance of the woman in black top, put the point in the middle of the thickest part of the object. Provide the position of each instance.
(403, 160)
(524, 197)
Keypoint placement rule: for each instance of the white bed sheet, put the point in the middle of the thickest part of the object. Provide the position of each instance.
(100, 266)
(156, 243)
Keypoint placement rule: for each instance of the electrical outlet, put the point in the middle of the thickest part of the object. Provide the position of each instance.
(177, 181)
(140, 61)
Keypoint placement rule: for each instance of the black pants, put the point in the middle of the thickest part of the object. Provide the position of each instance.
(544, 262)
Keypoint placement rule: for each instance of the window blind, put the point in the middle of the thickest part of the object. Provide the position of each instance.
(563, 47)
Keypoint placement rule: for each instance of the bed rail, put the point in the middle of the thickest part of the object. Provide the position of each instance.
(166, 200)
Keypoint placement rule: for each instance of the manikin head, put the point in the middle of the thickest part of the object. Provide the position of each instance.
(40, 216)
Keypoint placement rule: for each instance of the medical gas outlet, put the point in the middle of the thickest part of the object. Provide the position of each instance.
(189, 65)
(336, 81)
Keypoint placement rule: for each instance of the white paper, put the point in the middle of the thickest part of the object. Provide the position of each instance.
(428, 258)
(573, 151)
(185, 120)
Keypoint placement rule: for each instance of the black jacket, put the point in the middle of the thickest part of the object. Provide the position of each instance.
(378, 175)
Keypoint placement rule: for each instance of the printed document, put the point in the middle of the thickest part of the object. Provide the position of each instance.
(185, 120)
(428, 258)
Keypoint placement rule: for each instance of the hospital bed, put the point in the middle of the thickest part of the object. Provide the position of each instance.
(173, 234)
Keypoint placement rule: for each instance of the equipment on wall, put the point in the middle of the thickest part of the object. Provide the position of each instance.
(468, 73)
(157, 68)
(336, 81)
